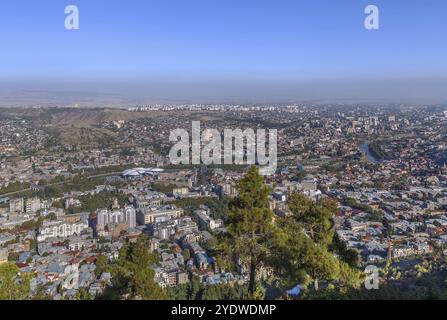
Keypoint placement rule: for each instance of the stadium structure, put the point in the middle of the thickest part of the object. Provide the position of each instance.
(137, 173)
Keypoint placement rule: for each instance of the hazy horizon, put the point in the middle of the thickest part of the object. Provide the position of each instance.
(144, 92)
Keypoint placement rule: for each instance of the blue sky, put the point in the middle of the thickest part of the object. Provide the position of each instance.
(171, 44)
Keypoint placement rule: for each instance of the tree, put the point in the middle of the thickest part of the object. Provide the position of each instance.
(350, 256)
(194, 288)
(251, 231)
(83, 294)
(320, 264)
(13, 256)
(41, 294)
(199, 291)
(132, 276)
(101, 264)
(13, 286)
(52, 216)
(316, 220)
(179, 292)
(301, 256)
(210, 293)
(309, 233)
(186, 254)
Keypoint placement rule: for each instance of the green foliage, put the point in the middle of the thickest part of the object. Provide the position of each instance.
(13, 256)
(298, 248)
(91, 203)
(309, 240)
(193, 203)
(51, 216)
(194, 290)
(423, 268)
(13, 241)
(316, 220)
(251, 231)
(163, 187)
(102, 265)
(83, 294)
(259, 293)
(350, 256)
(186, 254)
(80, 182)
(14, 187)
(57, 204)
(34, 224)
(128, 152)
(219, 207)
(377, 151)
(133, 276)
(41, 294)
(373, 215)
(385, 292)
(225, 292)
(33, 244)
(13, 286)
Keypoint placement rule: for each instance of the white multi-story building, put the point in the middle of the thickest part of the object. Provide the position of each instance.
(206, 221)
(3, 256)
(126, 216)
(131, 216)
(60, 229)
(159, 213)
(33, 205)
(16, 205)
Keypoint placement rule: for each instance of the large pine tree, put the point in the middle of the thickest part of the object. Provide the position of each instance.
(308, 249)
(133, 276)
(251, 230)
(13, 286)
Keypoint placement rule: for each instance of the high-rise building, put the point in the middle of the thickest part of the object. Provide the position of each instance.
(33, 205)
(131, 216)
(3, 256)
(228, 189)
(16, 205)
(126, 216)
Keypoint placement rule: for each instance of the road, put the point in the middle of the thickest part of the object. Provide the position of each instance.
(7, 195)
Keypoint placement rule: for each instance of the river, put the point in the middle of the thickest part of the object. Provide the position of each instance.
(371, 158)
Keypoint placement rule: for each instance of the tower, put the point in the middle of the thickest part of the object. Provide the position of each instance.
(115, 205)
(444, 168)
(390, 252)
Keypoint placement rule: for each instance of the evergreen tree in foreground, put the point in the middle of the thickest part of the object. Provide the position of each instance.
(251, 230)
(308, 249)
(133, 276)
(13, 286)
(295, 248)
